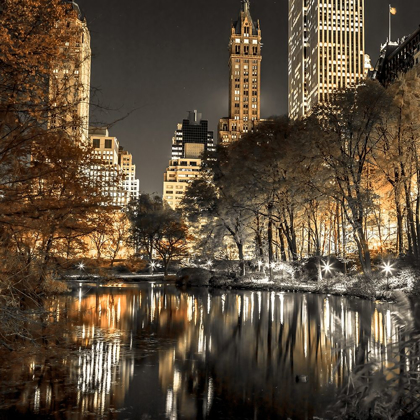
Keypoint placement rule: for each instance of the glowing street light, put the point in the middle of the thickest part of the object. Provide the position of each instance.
(209, 263)
(387, 269)
(152, 265)
(260, 264)
(81, 266)
(327, 267)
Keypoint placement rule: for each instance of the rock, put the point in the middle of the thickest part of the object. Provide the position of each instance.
(193, 276)
(220, 281)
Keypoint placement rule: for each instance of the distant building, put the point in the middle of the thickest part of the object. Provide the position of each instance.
(326, 50)
(244, 77)
(190, 141)
(110, 162)
(130, 183)
(397, 57)
(70, 82)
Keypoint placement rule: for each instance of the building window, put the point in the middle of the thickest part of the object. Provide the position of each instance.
(108, 144)
(96, 143)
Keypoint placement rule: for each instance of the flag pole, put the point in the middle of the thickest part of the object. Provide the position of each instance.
(389, 12)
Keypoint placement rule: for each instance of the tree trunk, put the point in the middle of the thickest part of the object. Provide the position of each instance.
(241, 259)
(270, 240)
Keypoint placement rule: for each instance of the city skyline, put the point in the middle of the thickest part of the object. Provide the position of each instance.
(166, 60)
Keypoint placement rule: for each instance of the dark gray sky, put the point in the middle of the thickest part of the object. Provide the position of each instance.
(167, 57)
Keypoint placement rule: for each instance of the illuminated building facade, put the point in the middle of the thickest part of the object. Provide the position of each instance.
(130, 183)
(244, 77)
(111, 162)
(70, 84)
(326, 50)
(398, 57)
(190, 141)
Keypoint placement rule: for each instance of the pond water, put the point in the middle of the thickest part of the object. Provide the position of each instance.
(152, 351)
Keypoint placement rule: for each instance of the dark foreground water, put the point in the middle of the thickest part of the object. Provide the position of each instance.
(155, 352)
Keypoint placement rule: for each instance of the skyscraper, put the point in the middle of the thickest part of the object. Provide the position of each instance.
(190, 140)
(244, 77)
(326, 50)
(111, 160)
(70, 84)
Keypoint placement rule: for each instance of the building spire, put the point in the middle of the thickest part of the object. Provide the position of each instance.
(245, 6)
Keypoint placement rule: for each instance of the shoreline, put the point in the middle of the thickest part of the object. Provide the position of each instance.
(332, 286)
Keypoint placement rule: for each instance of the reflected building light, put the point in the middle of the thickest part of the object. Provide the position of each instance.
(305, 325)
(356, 328)
(239, 305)
(200, 346)
(152, 304)
(282, 309)
(37, 399)
(170, 405)
(252, 307)
(246, 309)
(177, 380)
(349, 326)
(189, 308)
(326, 315)
(381, 328)
(119, 310)
(195, 307)
(208, 303)
(210, 394)
(273, 297)
(223, 299)
(259, 305)
(388, 325)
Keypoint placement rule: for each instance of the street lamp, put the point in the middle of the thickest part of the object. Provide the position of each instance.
(81, 267)
(387, 269)
(260, 263)
(152, 265)
(328, 269)
(209, 263)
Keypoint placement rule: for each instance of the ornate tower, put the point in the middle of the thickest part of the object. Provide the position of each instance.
(244, 77)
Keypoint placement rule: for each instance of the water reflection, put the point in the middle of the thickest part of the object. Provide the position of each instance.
(158, 352)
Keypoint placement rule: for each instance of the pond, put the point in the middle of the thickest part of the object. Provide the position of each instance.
(152, 351)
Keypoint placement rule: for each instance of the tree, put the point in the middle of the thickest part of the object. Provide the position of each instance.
(47, 197)
(156, 228)
(172, 240)
(343, 136)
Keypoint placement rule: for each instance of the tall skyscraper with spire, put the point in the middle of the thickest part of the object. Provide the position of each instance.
(244, 77)
(326, 50)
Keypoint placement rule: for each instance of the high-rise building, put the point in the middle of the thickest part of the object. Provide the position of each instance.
(110, 163)
(244, 77)
(130, 183)
(326, 50)
(70, 84)
(190, 141)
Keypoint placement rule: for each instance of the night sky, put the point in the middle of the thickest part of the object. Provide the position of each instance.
(162, 58)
